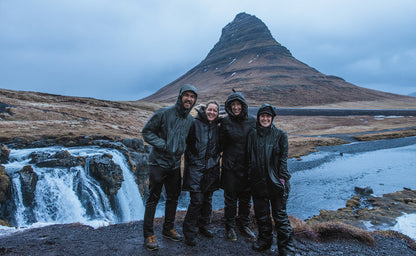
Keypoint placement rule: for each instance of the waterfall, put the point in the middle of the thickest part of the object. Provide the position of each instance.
(129, 198)
(68, 195)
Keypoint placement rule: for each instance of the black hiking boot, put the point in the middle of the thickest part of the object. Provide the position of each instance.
(150, 243)
(262, 246)
(246, 231)
(231, 235)
(206, 232)
(172, 235)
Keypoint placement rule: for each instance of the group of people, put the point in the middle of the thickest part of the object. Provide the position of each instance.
(253, 155)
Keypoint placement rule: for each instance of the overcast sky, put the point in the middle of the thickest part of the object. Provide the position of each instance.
(128, 49)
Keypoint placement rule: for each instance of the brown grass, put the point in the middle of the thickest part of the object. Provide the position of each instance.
(329, 230)
(338, 230)
(386, 135)
(33, 116)
(302, 230)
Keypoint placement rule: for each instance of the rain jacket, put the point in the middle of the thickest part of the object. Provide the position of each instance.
(166, 131)
(267, 151)
(233, 134)
(202, 156)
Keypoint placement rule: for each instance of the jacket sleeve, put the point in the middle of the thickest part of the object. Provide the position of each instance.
(151, 130)
(249, 149)
(284, 151)
(222, 135)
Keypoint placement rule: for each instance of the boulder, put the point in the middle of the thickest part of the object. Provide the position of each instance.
(4, 154)
(60, 159)
(363, 191)
(106, 172)
(28, 180)
(139, 164)
(134, 143)
(4, 185)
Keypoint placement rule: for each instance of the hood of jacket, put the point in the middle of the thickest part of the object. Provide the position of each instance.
(265, 108)
(244, 109)
(179, 106)
(268, 109)
(202, 116)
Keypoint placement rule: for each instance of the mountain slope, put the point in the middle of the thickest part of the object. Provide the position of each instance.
(248, 59)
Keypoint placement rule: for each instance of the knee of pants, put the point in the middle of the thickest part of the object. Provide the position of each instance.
(230, 197)
(281, 219)
(197, 199)
(172, 198)
(152, 200)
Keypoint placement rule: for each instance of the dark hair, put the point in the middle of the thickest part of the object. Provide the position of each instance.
(213, 102)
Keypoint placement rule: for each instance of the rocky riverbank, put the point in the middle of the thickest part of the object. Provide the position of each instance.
(365, 210)
(329, 238)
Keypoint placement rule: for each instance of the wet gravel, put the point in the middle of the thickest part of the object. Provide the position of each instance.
(126, 239)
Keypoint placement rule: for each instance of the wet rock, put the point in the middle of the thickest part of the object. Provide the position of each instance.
(134, 143)
(60, 159)
(363, 191)
(28, 179)
(4, 185)
(5, 196)
(107, 173)
(4, 154)
(140, 168)
(377, 211)
(109, 144)
(354, 202)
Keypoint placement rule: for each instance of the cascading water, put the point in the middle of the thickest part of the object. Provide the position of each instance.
(67, 195)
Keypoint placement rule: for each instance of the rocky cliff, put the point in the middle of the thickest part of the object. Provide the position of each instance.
(249, 59)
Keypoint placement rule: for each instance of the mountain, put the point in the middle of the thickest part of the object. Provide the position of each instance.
(412, 94)
(248, 59)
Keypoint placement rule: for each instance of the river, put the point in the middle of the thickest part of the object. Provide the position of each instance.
(326, 179)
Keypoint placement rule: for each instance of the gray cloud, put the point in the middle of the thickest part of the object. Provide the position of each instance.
(126, 50)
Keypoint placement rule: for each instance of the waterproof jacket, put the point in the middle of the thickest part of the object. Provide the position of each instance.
(166, 131)
(202, 156)
(233, 135)
(267, 151)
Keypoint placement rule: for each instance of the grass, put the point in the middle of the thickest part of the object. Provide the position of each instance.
(330, 230)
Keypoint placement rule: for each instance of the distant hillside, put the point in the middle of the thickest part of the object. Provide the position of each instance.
(248, 59)
(34, 115)
(413, 94)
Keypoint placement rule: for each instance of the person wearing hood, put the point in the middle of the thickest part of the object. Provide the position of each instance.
(267, 151)
(166, 131)
(202, 171)
(234, 173)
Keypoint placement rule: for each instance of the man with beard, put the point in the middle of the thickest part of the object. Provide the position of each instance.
(166, 131)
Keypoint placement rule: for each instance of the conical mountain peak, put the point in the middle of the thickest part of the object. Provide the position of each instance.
(248, 59)
(245, 33)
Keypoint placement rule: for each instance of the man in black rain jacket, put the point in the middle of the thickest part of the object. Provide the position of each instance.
(234, 174)
(267, 150)
(166, 131)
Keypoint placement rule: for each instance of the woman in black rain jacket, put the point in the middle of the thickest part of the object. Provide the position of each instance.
(234, 173)
(202, 171)
(267, 150)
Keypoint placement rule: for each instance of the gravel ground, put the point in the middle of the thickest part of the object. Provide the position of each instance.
(126, 239)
